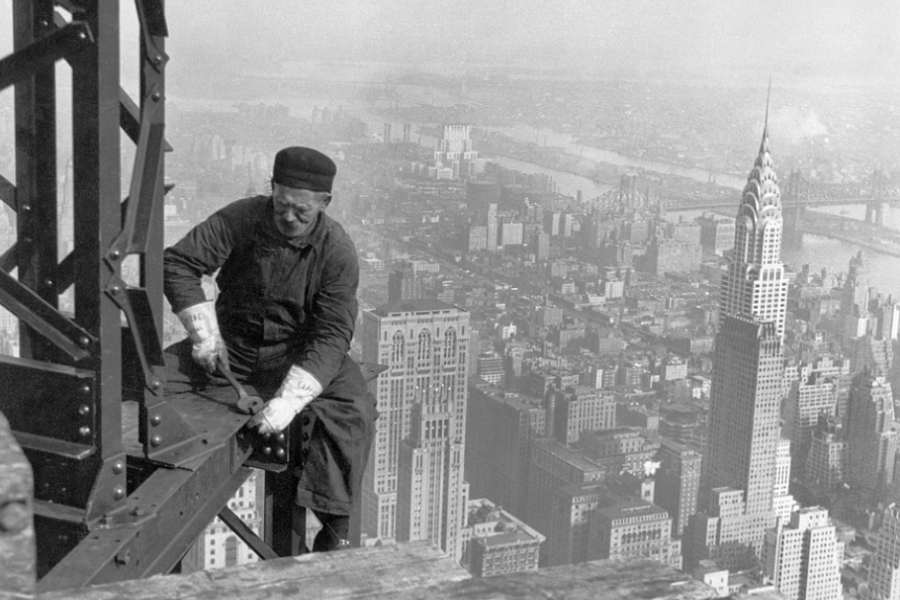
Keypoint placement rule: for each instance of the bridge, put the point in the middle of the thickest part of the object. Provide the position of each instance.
(798, 192)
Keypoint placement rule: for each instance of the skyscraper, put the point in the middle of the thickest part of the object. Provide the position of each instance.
(413, 487)
(803, 557)
(884, 569)
(873, 437)
(740, 461)
(677, 482)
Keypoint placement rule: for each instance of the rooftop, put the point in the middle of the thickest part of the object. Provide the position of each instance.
(417, 306)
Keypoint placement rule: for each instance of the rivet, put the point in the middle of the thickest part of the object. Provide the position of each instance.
(84, 431)
(118, 493)
(155, 420)
(115, 255)
(280, 453)
(118, 467)
(156, 440)
(44, 23)
(157, 59)
(267, 450)
(83, 341)
(82, 35)
(280, 437)
(84, 410)
(26, 208)
(155, 96)
(123, 558)
(267, 436)
(27, 239)
(115, 288)
(48, 282)
(154, 384)
(85, 389)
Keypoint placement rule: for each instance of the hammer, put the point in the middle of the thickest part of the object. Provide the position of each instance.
(245, 402)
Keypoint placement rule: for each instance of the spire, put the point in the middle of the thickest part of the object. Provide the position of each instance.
(764, 143)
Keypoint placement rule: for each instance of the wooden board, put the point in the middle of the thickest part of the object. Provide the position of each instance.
(403, 572)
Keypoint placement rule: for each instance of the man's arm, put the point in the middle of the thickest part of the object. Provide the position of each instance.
(329, 328)
(201, 252)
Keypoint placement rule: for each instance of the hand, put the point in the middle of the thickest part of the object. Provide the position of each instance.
(202, 325)
(277, 414)
(298, 389)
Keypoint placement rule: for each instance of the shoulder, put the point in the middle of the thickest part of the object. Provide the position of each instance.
(336, 240)
(245, 211)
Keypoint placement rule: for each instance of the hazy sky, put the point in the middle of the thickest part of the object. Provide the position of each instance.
(812, 35)
(794, 36)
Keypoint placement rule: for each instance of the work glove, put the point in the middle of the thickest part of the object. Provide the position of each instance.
(203, 328)
(298, 389)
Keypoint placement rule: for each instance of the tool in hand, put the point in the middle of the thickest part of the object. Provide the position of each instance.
(245, 402)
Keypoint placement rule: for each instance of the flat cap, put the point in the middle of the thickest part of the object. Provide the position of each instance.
(305, 168)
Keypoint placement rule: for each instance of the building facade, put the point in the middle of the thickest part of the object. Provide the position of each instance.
(803, 556)
(884, 569)
(414, 487)
(678, 482)
(497, 543)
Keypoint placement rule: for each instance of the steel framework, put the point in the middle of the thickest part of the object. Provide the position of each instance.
(108, 505)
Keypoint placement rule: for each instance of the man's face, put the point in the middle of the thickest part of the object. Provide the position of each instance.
(296, 210)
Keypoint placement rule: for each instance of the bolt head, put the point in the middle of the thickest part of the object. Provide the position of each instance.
(115, 255)
(115, 288)
(84, 431)
(118, 467)
(85, 389)
(279, 453)
(14, 516)
(84, 342)
(267, 450)
(155, 383)
(155, 420)
(84, 410)
(156, 96)
(280, 437)
(82, 35)
(118, 493)
(156, 440)
(48, 282)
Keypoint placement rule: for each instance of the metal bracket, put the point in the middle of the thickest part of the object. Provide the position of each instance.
(44, 52)
(44, 318)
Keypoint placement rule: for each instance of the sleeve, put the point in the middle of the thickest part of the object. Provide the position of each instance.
(330, 327)
(201, 252)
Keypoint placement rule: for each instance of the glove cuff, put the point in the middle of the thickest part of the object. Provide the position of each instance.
(299, 387)
(200, 321)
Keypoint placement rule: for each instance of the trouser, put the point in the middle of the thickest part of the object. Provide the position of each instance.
(288, 527)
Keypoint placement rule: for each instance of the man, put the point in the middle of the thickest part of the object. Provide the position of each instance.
(283, 321)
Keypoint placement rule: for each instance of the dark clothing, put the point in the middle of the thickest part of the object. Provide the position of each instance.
(283, 302)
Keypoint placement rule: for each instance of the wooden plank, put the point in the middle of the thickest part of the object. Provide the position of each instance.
(355, 573)
(404, 572)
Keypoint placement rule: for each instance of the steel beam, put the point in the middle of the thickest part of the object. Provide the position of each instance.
(247, 535)
(36, 46)
(43, 53)
(97, 194)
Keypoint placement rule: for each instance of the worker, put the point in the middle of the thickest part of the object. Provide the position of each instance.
(283, 319)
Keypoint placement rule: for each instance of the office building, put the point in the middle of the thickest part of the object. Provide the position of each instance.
(497, 543)
(631, 529)
(884, 568)
(802, 557)
(678, 482)
(414, 487)
(872, 433)
(739, 465)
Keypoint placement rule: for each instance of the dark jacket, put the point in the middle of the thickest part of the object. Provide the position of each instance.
(276, 295)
